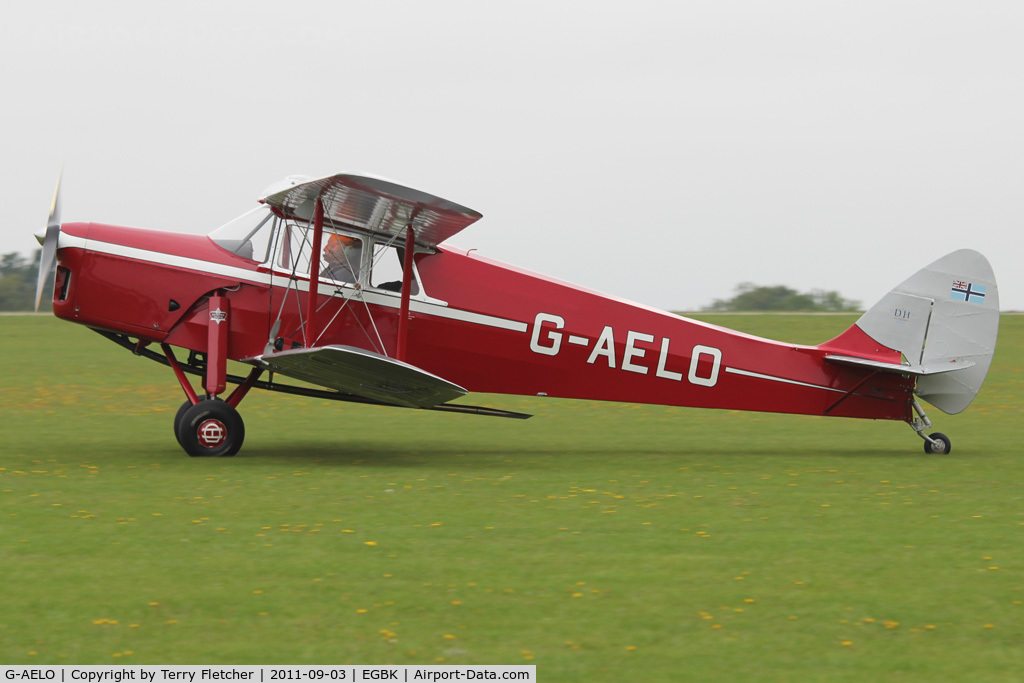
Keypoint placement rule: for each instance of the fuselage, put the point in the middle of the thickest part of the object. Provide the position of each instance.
(479, 323)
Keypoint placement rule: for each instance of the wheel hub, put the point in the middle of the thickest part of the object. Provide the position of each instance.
(212, 433)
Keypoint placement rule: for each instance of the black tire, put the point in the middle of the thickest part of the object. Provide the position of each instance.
(177, 418)
(941, 446)
(211, 429)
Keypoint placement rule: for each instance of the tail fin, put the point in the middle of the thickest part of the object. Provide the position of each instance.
(940, 325)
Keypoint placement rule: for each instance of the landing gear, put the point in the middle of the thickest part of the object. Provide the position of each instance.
(210, 428)
(939, 444)
(936, 443)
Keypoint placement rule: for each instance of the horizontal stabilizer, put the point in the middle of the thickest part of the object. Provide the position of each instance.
(901, 368)
(363, 373)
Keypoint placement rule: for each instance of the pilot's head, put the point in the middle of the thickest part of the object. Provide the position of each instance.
(336, 246)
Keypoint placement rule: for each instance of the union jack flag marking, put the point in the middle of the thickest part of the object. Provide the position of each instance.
(967, 291)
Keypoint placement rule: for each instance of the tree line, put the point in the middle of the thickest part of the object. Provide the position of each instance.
(18, 282)
(751, 297)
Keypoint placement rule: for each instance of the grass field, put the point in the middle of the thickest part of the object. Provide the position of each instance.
(597, 541)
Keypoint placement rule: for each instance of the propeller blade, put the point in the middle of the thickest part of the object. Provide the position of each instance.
(49, 242)
(54, 218)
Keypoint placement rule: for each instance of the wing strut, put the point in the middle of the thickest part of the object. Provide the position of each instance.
(403, 313)
(314, 272)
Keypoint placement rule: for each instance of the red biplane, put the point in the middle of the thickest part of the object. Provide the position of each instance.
(345, 283)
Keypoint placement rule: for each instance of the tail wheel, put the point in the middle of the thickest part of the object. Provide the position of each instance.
(939, 444)
(210, 428)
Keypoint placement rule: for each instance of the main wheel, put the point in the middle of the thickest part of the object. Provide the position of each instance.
(177, 418)
(940, 444)
(211, 428)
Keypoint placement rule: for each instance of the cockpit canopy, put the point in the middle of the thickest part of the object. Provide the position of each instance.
(285, 246)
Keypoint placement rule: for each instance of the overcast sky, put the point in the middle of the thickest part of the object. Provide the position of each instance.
(660, 151)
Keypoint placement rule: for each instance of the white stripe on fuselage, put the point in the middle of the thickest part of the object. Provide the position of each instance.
(438, 309)
(758, 375)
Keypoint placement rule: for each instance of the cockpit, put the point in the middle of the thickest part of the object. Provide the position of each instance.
(285, 246)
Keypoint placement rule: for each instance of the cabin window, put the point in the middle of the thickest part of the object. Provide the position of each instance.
(341, 255)
(249, 235)
(344, 258)
(386, 269)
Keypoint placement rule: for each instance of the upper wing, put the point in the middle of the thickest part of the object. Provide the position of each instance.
(363, 373)
(375, 205)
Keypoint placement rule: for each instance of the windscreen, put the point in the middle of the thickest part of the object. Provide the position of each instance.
(249, 235)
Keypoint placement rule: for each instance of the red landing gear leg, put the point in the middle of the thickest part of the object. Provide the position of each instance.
(210, 427)
(217, 347)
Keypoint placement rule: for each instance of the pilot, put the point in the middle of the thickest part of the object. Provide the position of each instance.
(342, 255)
